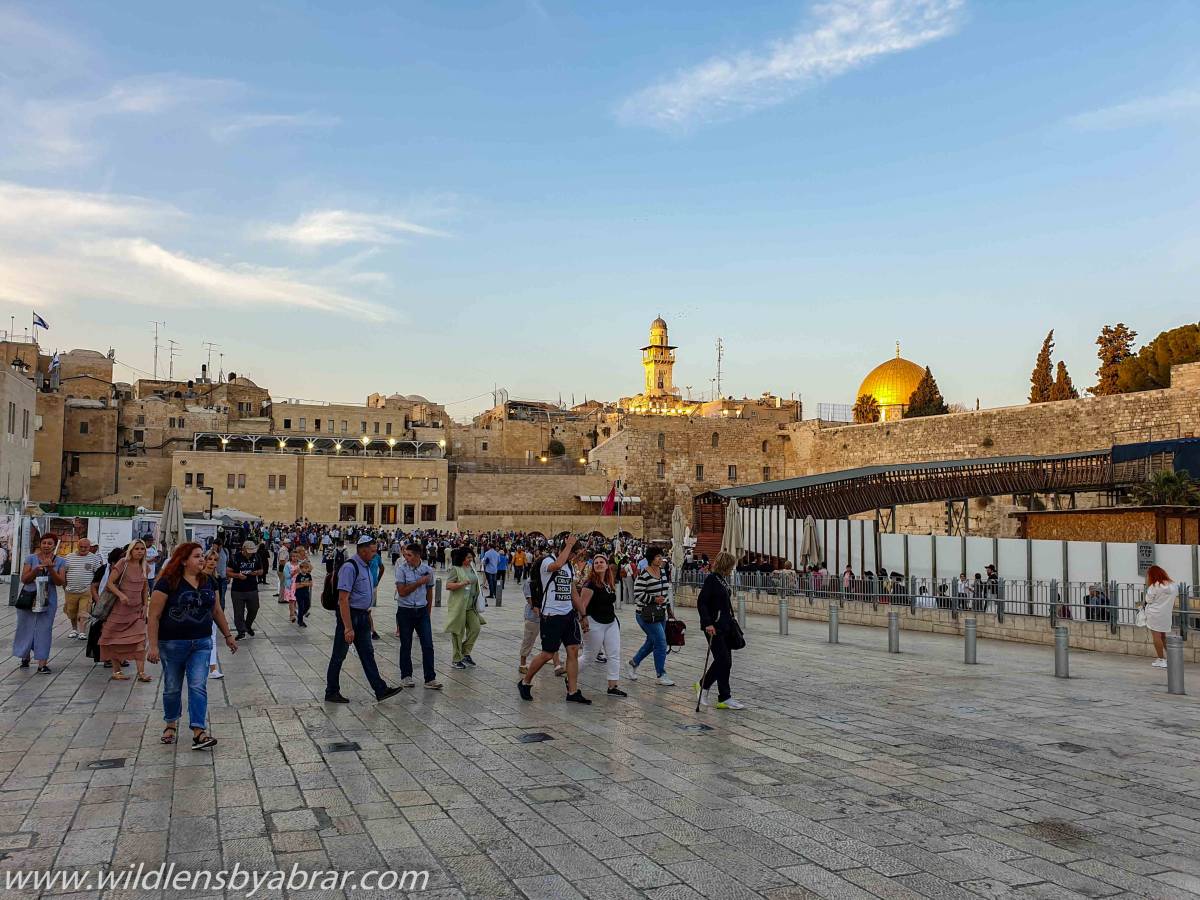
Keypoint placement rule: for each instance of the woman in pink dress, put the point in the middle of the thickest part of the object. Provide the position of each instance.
(124, 634)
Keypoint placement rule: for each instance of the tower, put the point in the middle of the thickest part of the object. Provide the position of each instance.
(658, 359)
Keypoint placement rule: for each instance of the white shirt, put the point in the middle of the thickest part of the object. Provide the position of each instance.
(558, 585)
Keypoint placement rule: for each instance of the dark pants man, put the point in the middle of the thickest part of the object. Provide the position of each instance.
(245, 610)
(408, 620)
(360, 621)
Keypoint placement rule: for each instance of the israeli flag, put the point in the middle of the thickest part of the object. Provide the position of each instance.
(39, 322)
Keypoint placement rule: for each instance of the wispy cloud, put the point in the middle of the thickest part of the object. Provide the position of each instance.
(839, 37)
(239, 125)
(333, 227)
(29, 210)
(1174, 105)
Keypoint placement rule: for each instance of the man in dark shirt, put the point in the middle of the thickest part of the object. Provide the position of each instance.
(243, 572)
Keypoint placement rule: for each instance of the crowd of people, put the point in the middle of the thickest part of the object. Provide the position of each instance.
(131, 610)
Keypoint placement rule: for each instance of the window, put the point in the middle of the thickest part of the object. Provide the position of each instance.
(428, 512)
(344, 426)
(12, 418)
(410, 514)
(345, 483)
(230, 481)
(283, 482)
(199, 479)
(766, 473)
(304, 424)
(83, 427)
(765, 445)
(316, 424)
(433, 484)
(662, 441)
(139, 436)
(387, 514)
(25, 424)
(377, 428)
(73, 464)
(141, 420)
(364, 427)
(483, 446)
(389, 431)
(270, 482)
(347, 512)
(354, 482)
(661, 469)
(187, 479)
(699, 471)
(368, 513)
(287, 424)
(716, 440)
(241, 482)
(733, 473)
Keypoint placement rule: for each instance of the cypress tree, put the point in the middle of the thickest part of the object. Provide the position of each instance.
(1042, 379)
(927, 399)
(1063, 388)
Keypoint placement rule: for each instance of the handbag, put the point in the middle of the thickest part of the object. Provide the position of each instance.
(1140, 618)
(675, 639)
(25, 599)
(734, 638)
(104, 604)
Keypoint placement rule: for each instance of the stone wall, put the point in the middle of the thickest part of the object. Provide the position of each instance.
(535, 502)
(142, 481)
(89, 457)
(18, 405)
(48, 448)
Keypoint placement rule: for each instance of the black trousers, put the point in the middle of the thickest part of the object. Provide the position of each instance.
(718, 669)
(245, 610)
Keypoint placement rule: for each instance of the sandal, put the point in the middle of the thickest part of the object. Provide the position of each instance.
(174, 729)
(144, 678)
(118, 675)
(203, 741)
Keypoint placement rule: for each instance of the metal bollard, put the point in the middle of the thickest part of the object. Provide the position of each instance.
(437, 592)
(893, 632)
(969, 642)
(499, 595)
(1174, 664)
(783, 615)
(833, 623)
(742, 611)
(1062, 651)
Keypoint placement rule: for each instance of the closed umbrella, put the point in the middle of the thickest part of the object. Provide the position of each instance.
(678, 530)
(810, 545)
(171, 529)
(731, 538)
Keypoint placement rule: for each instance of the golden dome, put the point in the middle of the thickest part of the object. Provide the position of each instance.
(658, 323)
(892, 383)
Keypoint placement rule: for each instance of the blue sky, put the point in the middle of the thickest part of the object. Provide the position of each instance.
(435, 197)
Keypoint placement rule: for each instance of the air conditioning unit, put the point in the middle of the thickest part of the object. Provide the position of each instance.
(35, 469)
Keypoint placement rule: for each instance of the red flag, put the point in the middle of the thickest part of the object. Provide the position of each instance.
(610, 502)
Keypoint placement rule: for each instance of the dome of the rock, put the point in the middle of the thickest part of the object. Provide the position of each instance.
(891, 384)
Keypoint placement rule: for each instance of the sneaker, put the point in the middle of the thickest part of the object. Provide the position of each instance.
(525, 690)
(578, 697)
(616, 692)
(250, 631)
(302, 625)
(217, 675)
(701, 694)
(458, 664)
(631, 671)
(730, 704)
(663, 681)
(407, 682)
(470, 662)
(43, 670)
(1159, 664)
(389, 692)
(72, 634)
(25, 663)
(335, 698)
(241, 636)
(601, 658)
(433, 685)
(83, 636)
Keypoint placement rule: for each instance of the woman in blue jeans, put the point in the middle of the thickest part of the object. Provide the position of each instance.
(651, 594)
(183, 609)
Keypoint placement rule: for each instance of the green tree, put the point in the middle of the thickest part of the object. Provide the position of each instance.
(866, 409)
(926, 400)
(1042, 379)
(1115, 344)
(1167, 488)
(1063, 388)
(1151, 368)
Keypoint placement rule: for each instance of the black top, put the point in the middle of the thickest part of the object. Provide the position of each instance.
(187, 615)
(303, 584)
(602, 605)
(714, 605)
(245, 582)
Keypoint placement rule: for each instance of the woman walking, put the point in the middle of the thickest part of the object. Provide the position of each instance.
(650, 593)
(597, 607)
(462, 617)
(287, 586)
(123, 636)
(716, 618)
(1159, 605)
(183, 608)
(212, 568)
(42, 575)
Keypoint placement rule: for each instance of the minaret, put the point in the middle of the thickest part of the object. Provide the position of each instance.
(658, 359)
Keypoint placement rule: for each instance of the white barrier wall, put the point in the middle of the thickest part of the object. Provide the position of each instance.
(770, 531)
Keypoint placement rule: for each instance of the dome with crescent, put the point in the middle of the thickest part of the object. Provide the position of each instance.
(891, 384)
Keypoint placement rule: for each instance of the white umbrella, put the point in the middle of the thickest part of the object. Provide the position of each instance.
(731, 538)
(170, 525)
(678, 529)
(810, 545)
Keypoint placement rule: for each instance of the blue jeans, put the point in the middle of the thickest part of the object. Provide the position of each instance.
(190, 658)
(491, 583)
(408, 620)
(360, 621)
(656, 643)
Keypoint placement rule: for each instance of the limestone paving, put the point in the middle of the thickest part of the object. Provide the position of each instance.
(853, 773)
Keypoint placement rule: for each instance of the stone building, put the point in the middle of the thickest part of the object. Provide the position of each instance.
(18, 402)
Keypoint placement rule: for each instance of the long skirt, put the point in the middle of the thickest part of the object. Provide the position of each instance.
(34, 632)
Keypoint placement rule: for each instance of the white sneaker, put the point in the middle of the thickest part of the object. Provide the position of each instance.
(72, 634)
(1159, 664)
(408, 682)
(83, 635)
(702, 695)
(731, 704)
(663, 681)
(631, 671)
(217, 675)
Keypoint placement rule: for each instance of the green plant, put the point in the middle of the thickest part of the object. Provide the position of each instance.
(1168, 488)
(866, 409)
(927, 399)
(1042, 379)
(1151, 368)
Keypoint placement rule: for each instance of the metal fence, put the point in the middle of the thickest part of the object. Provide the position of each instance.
(1058, 602)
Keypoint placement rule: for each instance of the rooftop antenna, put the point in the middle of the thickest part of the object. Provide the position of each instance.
(221, 376)
(156, 324)
(210, 347)
(720, 356)
(173, 352)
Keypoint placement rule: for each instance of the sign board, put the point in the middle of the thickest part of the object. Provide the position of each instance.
(1145, 556)
(110, 533)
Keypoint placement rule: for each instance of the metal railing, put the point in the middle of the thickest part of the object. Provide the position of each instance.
(1057, 602)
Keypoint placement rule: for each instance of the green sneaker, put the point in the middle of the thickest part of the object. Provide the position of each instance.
(730, 704)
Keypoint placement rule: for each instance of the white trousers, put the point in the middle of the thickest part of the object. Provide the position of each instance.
(606, 638)
(212, 656)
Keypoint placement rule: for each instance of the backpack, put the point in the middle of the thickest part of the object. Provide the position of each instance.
(329, 591)
(537, 590)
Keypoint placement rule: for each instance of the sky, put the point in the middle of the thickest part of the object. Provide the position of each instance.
(444, 197)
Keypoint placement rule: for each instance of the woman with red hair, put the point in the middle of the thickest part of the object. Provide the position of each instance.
(1159, 606)
(183, 608)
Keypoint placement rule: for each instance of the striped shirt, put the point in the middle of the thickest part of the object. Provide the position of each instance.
(646, 589)
(80, 570)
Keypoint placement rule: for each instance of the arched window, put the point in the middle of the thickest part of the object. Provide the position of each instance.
(662, 441)
(660, 382)
(764, 446)
(716, 439)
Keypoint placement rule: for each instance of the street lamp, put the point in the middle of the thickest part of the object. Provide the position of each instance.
(224, 442)
(337, 446)
(391, 445)
(365, 440)
(311, 445)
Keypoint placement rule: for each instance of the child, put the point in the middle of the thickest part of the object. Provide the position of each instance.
(303, 592)
(287, 588)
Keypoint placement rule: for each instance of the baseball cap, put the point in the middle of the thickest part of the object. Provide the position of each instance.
(249, 545)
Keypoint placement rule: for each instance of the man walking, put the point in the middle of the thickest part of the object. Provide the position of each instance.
(356, 590)
(81, 565)
(244, 572)
(414, 602)
(559, 622)
(491, 565)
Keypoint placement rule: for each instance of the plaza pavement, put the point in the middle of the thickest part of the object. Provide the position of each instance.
(853, 774)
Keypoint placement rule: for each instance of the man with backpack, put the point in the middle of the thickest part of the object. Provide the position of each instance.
(559, 620)
(534, 591)
(355, 593)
